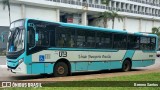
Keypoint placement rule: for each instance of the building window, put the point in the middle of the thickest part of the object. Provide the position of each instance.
(90, 1)
(96, 2)
(85, 1)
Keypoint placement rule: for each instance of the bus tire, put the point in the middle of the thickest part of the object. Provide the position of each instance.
(60, 69)
(126, 66)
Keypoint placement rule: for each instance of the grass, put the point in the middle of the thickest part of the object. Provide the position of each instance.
(131, 78)
(141, 77)
(86, 88)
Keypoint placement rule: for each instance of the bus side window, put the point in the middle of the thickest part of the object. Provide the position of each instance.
(145, 43)
(61, 42)
(133, 42)
(81, 38)
(65, 37)
(90, 39)
(31, 37)
(52, 38)
(120, 41)
(70, 41)
(153, 43)
(104, 40)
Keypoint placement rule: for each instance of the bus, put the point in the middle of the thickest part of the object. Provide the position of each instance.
(46, 47)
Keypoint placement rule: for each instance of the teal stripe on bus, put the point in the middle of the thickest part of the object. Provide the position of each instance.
(129, 54)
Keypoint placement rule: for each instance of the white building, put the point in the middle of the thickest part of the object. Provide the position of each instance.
(140, 15)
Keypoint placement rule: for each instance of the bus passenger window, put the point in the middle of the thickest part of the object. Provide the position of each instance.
(60, 42)
(31, 37)
(43, 38)
(81, 40)
(70, 41)
(104, 40)
(90, 39)
(65, 37)
(133, 42)
(145, 43)
(153, 43)
(120, 41)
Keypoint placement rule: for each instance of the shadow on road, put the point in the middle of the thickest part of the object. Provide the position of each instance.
(28, 77)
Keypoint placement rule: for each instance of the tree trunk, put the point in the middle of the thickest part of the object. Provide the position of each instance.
(105, 23)
(9, 10)
(112, 23)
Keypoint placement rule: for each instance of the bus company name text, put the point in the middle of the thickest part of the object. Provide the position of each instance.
(93, 56)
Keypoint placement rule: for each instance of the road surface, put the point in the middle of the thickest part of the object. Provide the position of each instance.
(8, 76)
(2, 60)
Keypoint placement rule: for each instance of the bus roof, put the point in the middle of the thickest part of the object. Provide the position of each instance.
(97, 28)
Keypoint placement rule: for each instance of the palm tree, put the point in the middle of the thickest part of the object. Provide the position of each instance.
(110, 15)
(105, 16)
(6, 3)
(106, 2)
(156, 30)
(115, 15)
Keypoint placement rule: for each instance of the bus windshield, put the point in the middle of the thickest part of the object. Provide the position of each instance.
(16, 36)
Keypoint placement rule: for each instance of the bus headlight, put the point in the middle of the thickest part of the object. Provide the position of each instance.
(20, 61)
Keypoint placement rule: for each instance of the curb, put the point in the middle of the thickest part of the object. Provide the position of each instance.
(3, 66)
(2, 56)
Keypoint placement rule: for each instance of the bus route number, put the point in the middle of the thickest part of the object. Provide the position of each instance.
(62, 54)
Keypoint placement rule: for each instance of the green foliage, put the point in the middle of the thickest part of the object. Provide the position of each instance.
(110, 15)
(106, 2)
(156, 30)
(105, 16)
(141, 77)
(115, 15)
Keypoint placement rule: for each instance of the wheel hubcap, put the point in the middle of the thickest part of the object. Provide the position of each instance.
(60, 70)
(126, 66)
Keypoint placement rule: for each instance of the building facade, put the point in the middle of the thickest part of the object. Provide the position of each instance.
(139, 15)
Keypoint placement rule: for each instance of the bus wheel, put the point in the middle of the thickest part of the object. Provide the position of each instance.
(60, 69)
(126, 66)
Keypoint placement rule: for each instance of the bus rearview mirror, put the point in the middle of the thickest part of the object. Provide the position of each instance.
(2, 38)
(36, 37)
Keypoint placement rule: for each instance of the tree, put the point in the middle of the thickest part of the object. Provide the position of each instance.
(110, 15)
(106, 2)
(156, 30)
(6, 3)
(113, 16)
(105, 16)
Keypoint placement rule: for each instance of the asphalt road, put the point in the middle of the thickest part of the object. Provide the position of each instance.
(2, 60)
(6, 75)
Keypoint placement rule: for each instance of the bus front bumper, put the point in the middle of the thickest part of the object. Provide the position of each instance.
(20, 68)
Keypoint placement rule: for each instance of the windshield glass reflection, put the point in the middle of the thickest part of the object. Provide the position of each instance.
(16, 37)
